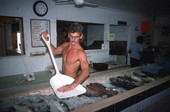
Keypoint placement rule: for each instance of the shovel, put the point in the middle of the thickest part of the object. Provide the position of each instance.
(59, 80)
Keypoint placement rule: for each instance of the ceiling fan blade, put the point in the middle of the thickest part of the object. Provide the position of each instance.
(90, 4)
(84, 3)
(78, 3)
(63, 2)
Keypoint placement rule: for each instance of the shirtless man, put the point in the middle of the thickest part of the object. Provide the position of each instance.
(73, 57)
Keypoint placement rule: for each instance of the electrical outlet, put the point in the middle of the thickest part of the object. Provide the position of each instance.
(29, 76)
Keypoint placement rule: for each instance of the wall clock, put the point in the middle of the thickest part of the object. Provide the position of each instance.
(40, 8)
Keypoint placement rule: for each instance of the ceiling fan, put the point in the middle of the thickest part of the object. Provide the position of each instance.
(77, 3)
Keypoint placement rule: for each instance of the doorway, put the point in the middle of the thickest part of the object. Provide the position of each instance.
(11, 36)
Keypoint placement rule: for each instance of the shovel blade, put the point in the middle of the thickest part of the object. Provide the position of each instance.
(60, 80)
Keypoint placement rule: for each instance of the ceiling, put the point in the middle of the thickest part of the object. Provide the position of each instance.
(148, 7)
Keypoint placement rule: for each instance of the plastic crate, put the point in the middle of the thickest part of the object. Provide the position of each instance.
(164, 62)
(152, 68)
(100, 66)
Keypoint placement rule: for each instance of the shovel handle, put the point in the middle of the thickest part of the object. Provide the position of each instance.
(47, 41)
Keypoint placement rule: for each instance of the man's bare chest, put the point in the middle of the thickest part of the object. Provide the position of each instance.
(70, 56)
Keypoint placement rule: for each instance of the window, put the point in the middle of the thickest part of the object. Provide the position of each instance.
(11, 36)
(93, 33)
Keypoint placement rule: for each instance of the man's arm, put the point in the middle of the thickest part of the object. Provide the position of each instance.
(82, 77)
(84, 69)
(57, 50)
(129, 51)
(141, 51)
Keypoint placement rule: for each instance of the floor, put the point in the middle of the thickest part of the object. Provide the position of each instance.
(157, 103)
(162, 105)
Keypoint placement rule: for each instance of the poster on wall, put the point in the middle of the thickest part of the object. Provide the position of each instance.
(37, 27)
(111, 36)
(145, 27)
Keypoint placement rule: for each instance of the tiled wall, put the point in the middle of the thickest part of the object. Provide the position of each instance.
(141, 100)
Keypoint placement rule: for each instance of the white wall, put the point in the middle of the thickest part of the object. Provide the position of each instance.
(13, 65)
(121, 33)
(23, 8)
(94, 32)
(97, 56)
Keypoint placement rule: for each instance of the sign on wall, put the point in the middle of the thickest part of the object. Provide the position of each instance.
(145, 27)
(37, 27)
(111, 36)
(118, 33)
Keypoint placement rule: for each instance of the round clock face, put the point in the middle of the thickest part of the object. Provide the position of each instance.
(40, 8)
